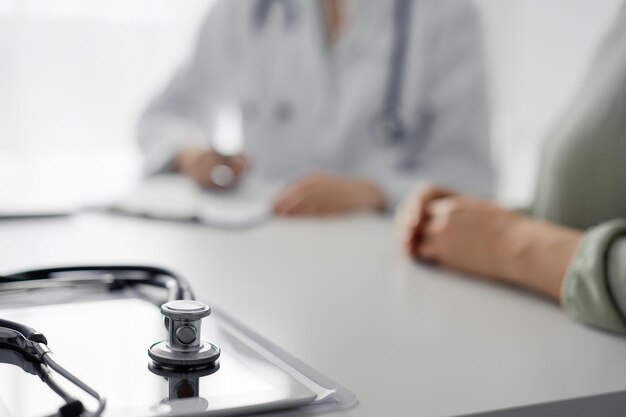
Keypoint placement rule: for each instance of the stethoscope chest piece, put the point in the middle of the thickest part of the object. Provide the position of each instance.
(184, 347)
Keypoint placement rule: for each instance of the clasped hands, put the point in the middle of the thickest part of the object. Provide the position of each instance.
(461, 233)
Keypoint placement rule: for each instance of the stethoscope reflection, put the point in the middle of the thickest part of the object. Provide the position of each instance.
(184, 384)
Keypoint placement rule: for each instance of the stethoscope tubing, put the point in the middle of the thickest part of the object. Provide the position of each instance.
(56, 367)
(177, 287)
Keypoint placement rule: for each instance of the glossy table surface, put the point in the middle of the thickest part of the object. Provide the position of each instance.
(337, 293)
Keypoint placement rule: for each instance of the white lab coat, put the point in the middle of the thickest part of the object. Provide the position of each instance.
(310, 106)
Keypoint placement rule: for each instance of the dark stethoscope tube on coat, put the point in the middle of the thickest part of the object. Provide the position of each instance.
(23, 346)
(390, 123)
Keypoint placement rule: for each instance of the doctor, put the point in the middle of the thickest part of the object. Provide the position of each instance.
(352, 102)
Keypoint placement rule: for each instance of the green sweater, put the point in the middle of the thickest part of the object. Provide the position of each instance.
(582, 184)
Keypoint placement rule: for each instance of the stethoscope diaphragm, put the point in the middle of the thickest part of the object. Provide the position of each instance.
(184, 348)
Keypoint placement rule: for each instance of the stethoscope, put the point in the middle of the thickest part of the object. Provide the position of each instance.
(390, 125)
(184, 353)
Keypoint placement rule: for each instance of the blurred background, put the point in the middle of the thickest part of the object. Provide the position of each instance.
(76, 74)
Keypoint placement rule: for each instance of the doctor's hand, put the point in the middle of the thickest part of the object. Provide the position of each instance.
(325, 194)
(210, 169)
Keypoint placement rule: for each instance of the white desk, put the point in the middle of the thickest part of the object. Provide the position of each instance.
(338, 294)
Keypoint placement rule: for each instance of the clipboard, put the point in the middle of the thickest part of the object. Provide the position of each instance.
(312, 393)
(175, 197)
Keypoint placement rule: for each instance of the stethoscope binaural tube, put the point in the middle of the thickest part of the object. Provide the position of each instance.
(392, 125)
(113, 277)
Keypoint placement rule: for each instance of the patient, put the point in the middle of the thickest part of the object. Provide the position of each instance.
(573, 248)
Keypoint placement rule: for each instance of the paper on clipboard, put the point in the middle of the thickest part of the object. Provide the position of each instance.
(175, 197)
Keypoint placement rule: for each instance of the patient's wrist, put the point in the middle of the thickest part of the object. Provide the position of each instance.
(538, 254)
(509, 246)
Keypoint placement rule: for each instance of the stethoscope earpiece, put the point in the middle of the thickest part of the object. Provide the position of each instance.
(184, 348)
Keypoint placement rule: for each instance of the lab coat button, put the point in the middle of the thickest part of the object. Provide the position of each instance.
(283, 112)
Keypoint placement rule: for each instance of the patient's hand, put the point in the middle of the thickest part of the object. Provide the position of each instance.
(325, 194)
(210, 169)
(466, 234)
(411, 215)
(481, 238)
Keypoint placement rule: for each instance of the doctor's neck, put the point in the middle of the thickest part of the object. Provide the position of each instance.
(334, 12)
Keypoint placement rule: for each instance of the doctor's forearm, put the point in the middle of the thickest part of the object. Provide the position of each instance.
(185, 159)
(372, 195)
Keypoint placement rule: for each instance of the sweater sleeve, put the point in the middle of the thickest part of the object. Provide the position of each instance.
(594, 289)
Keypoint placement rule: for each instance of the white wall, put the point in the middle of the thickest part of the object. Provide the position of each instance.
(74, 75)
(539, 52)
(79, 70)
